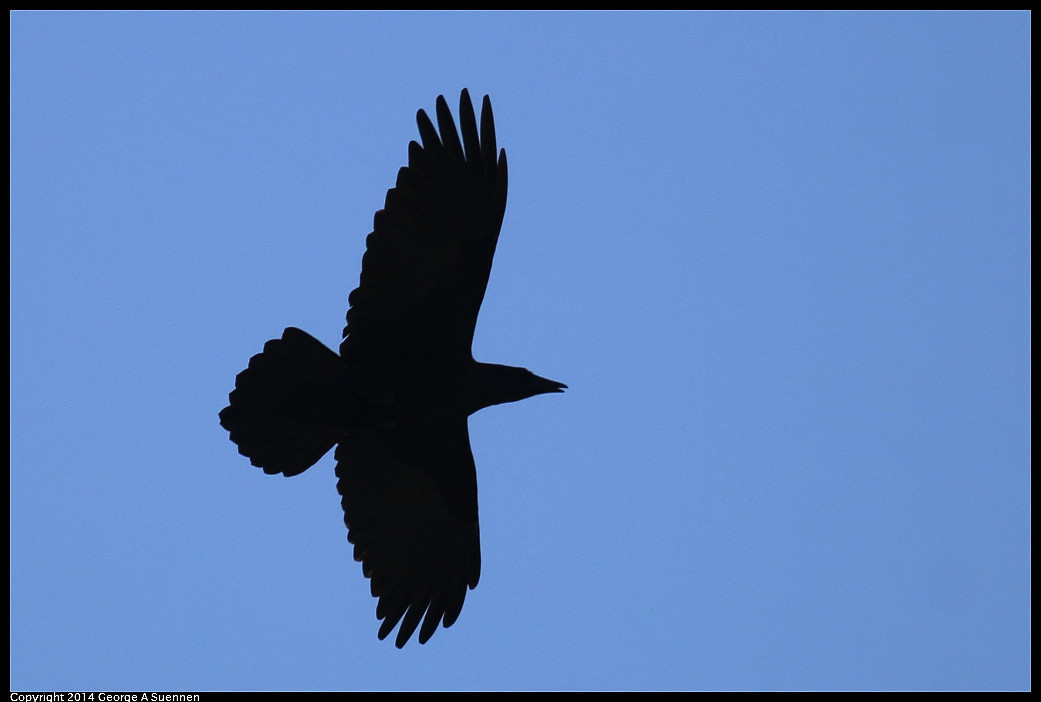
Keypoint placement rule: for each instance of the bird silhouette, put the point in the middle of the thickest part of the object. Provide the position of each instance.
(396, 399)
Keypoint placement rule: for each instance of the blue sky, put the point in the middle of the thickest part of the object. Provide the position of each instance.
(782, 262)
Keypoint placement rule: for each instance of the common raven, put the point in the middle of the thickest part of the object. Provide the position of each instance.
(396, 398)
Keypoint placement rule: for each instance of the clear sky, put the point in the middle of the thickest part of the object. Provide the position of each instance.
(782, 262)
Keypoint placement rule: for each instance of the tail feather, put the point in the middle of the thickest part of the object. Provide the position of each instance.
(285, 412)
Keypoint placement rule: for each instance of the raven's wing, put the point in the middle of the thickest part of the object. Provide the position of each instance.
(428, 257)
(410, 505)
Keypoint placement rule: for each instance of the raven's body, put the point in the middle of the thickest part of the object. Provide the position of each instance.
(395, 401)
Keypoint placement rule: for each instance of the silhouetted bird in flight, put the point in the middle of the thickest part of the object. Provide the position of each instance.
(397, 397)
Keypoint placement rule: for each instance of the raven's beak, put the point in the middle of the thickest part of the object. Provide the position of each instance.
(547, 385)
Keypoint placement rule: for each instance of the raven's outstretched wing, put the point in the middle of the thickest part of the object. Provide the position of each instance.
(428, 257)
(410, 505)
(407, 479)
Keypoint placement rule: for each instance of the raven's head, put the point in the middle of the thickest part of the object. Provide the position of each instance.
(492, 384)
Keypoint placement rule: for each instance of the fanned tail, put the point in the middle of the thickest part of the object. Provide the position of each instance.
(286, 410)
